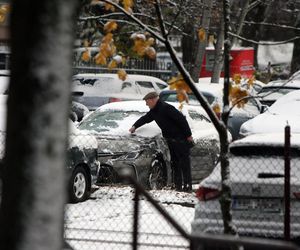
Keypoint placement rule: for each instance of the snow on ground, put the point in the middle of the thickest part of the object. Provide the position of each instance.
(106, 220)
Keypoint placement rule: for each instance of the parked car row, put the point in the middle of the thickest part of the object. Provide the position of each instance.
(257, 171)
(94, 90)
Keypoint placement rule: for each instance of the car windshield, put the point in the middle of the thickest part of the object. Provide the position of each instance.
(274, 92)
(109, 120)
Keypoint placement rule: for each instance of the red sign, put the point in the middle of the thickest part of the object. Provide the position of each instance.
(241, 63)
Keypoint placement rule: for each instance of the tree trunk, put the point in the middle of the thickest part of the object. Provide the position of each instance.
(200, 49)
(219, 59)
(33, 195)
(295, 64)
(219, 55)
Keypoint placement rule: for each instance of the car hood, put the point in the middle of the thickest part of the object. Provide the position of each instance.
(118, 145)
(270, 123)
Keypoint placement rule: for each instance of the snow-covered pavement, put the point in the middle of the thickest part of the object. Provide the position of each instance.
(106, 220)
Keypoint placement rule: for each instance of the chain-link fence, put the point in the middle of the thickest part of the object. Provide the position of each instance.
(107, 219)
(117, 216)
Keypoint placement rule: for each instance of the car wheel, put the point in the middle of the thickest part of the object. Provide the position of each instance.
(78, 189)
(157, 177)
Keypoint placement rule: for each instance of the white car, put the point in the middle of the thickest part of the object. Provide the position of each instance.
(284, 111)
(257, 182)
(94, 90)
(276, 89)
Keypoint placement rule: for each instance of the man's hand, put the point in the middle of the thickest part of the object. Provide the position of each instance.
(132, 129)
(190, 138)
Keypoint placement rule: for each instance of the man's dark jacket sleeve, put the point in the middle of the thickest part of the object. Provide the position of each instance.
(143, 120)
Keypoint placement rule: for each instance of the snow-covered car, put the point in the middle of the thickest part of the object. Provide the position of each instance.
(94, 90)
(284, 111)
(82, 164)
(257, 182)
(276, 89)
(82, 161)
(145, 154)
(79, 111)
(213, 92)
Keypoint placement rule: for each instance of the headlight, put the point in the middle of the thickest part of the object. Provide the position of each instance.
(130, 155)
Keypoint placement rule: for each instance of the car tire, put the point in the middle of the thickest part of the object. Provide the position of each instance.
(78, 187)
(157, 176)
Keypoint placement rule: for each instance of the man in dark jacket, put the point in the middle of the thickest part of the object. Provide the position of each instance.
(175, 129)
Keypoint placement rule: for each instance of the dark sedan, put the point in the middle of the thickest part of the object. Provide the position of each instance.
(145, 154)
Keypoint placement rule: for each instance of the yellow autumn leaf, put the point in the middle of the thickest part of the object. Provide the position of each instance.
(4, 8)
(108, 38)
(127, 5)
(112, 64)
(237, 96)
(86, 56)
(217, 109)
(109, 7)
(182, 96)
(110, 26)
(251, 81)
(180, 107)
(201, 35)
(139, 47)
(151, 53)
(237, 78)
(150, 41)
(178, 83)
(100, 59)
(122, 74)
(2, 18)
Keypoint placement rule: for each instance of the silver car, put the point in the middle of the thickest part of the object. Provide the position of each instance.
(257, 181)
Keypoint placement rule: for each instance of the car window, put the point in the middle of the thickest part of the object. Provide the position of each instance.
(143, 84)
(85, 81)
(160, 85)
(126, 85)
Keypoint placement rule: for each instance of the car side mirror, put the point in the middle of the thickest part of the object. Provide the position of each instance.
(263, 108)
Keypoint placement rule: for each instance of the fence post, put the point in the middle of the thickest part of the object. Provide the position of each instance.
(287, 146)
(135, 220)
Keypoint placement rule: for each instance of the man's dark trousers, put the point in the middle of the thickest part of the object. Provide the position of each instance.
(180, 163)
